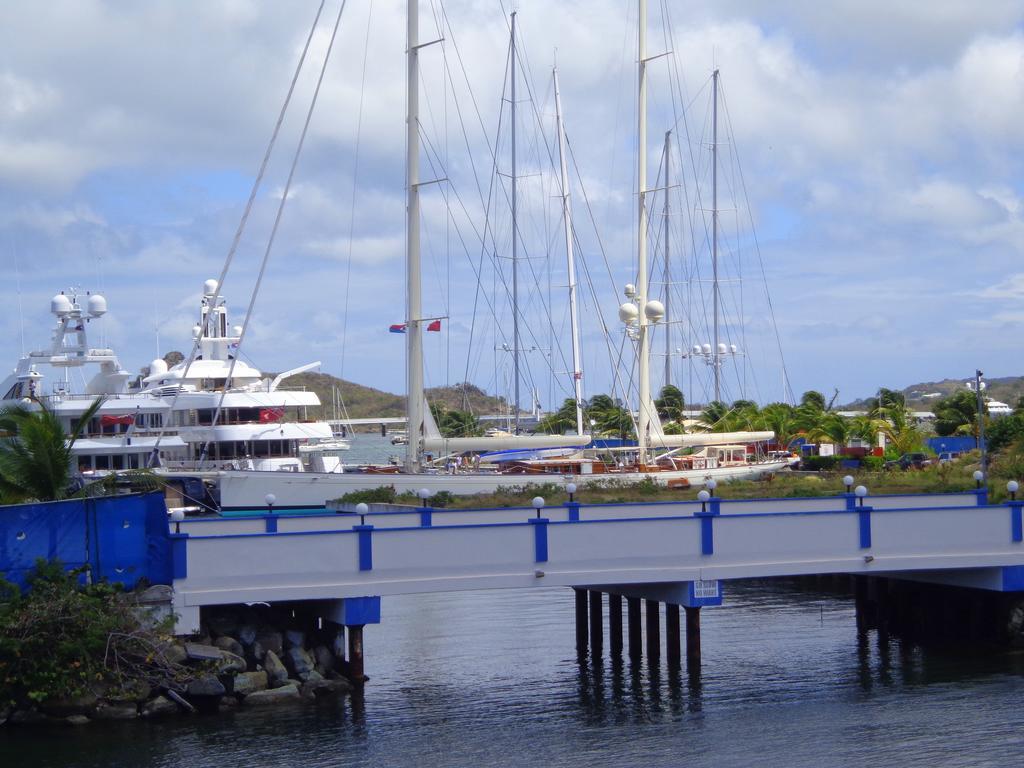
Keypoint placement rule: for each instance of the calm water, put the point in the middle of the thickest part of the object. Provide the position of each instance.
(477, 679)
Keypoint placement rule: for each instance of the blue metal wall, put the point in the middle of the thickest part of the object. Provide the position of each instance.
(121, 538)
(958, 443)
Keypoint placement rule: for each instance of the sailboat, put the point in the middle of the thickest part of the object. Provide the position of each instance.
(555, 458)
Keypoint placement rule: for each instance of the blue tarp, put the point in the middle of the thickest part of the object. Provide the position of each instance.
(121, 538)
(958, 443)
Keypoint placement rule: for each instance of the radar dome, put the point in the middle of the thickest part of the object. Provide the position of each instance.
(629, 290)
(210, 287)
(628, 312)
(722, 349)
(706, 349)
(60, 305)
(236, 330)
(696, 349)
(654, 310)
(158, 367)
(97, 305)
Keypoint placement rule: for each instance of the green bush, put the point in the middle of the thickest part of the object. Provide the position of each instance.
(872, 463)
(819, 463)
(60, 639)
(383, 495)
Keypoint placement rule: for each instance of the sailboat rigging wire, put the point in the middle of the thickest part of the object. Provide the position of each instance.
(355, 182)
(273, 231)
(764, 276)
(242, 222)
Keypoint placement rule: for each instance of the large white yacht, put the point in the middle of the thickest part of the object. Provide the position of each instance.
(69, 376)
(229, 416)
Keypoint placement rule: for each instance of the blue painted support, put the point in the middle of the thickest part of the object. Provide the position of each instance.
(179, 555)
(270, 523)
(707, 531)
(864, 515)
(356, 611)
(426, 516)
(1016, 527)
(700, 594)
(540, 538)
(982, 494)
(365, 546)
(851, 501)
(574, 511)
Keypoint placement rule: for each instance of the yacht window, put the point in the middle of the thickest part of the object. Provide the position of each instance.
(102, 462)
(117, 461)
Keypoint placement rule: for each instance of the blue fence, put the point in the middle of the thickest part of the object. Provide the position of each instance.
(958, 443)
(120, 538)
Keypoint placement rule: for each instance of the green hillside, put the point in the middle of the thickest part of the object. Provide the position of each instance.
(1007, 390)
(364, 402)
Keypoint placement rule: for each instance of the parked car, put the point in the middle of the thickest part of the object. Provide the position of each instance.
(947, 456)
(909, 461)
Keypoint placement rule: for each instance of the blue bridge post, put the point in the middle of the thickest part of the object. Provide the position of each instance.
(1016, 527)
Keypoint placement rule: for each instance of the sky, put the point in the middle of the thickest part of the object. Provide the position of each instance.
(880, 159)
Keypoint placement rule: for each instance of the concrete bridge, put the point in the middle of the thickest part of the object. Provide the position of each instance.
(675, 552)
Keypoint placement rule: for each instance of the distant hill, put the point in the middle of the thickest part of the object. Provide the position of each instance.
(364, 402)
(922, 396)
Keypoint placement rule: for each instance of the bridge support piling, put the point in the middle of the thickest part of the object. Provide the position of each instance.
(692, 638)
(581, 621)
(355, 654)
(635, 631)
(673, 642)
(653, 630)
(596, 623)
(860, 602)
(615, 624)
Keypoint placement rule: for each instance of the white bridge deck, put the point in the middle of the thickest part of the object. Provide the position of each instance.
(953, 538)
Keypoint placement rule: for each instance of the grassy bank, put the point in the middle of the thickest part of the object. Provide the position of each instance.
(939, 478)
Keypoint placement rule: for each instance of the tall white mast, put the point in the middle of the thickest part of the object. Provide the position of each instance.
(668, 282)
(515, 238)
(577, 369)
(716, 351)
(644, 353)
(413, 332)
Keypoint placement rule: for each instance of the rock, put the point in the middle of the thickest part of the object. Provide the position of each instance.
(27, 717)
(200, 652)
(232, 663)
(229, 644)
(254, 654)
(116, 712)
(223, 624)
(228, 702)
(277, 673)
(174, 653)
(247, 634)
(159, 707)
(249, 682)
(77, 720)
(5, 713)
(294, 638)
(273, 696)
(271, 641)
(299, 662)
(207, 685)
(78, 705)
(129, 694)
(324, 659)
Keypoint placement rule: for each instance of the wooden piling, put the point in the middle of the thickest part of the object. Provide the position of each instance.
(692, 638)
(582, 631)
(653, 630)
(596, 623)
(673, 641)
(355, 654)
(615, 624)
(635, 631)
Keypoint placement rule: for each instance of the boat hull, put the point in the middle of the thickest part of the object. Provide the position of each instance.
(247, 490)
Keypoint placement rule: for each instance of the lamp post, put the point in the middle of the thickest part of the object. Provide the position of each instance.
(711, 484)
(848, 482)
(424, 494)
(703, 497)
(861, 491)
(979, 478)
(1012, 487)
(538, 504)
(571, 490)
(361, 509)
(271, 499)
(978, 386)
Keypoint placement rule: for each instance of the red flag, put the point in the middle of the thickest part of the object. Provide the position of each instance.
(434, 326)
(109, 420)
(268, 415)
(397, 328)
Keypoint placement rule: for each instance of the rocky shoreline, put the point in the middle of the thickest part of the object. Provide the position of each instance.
(244, 657)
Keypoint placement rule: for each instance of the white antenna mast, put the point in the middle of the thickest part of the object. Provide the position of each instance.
(644, 384)
(577, 368)
(414, 335)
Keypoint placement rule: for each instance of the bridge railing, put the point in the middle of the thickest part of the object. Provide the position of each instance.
(429, 516)
(639, 546)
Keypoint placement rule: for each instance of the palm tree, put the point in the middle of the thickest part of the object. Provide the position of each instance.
(832, 428)
(903, 434)
(35, 454)
(610, 418)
